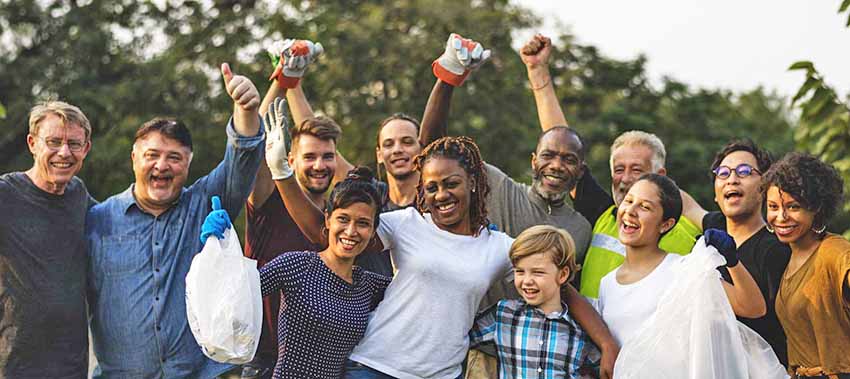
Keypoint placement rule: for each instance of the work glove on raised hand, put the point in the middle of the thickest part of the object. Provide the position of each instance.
(216, 222)
(291, 58)
(277, 139)
(724, 243)
(461, 57)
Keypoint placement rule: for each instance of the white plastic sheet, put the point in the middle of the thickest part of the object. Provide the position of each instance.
(223, 301)
(694, 333)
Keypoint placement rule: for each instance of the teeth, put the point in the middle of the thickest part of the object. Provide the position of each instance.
(348, 242)
(446, 207)
(61, 165)
(629, 224)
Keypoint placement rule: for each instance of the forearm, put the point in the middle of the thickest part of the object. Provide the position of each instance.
(264, 185)
(590, 321)
(744, 296)
(435, 119)
(246, 122)
(548, 107)
(691, 209)
(298, 105)
(306, 215)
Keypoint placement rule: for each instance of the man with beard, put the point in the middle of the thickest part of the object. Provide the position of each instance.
(737, 171)
(43, 249)
(142, 242)
(557, 163)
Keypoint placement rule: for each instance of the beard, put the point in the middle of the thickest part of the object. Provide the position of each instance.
(552, 198)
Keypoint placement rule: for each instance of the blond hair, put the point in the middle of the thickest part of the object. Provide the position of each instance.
(67, 112)
(556, 243)
(641, 138)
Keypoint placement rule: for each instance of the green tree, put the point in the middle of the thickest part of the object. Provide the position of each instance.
(825, 122)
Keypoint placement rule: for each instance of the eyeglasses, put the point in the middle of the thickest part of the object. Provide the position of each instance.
(55, 144)
(743, 170)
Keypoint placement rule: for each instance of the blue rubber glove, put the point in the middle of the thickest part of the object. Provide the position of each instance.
(216, 222)
(724, 243)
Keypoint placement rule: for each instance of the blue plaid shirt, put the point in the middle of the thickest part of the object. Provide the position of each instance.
(138, 265)
(531, 344)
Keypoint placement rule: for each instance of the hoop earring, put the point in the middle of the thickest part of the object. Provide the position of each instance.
(819, 230)
(767, 226)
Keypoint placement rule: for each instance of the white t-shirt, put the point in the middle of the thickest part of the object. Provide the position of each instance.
(625, 307)
(420, 328)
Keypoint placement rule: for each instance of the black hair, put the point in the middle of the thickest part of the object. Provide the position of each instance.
(763, 158)
(358, 187)
(465, 152)
(397, 116)
(815, 184)
(582, 151)
(671, 198)
(168, 127)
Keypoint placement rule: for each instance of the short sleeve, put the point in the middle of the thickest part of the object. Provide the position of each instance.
(284, 272)
(391, 223)
(714, 220)
(378, 285)
(484, 327)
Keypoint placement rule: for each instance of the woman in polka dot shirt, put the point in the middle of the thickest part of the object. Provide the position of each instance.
(325, 299)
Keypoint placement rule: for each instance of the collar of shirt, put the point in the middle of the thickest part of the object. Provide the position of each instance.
(563, 315)
(127, 199)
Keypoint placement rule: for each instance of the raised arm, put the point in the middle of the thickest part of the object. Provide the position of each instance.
(460, 58)
(692, 210)
(246, 101)
(264, 185)
(535, 55)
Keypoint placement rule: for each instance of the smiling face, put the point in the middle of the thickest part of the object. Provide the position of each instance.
(161, 166)
(314, 162)
(446, 188)
(398, 143)
(349, 230)
(791, 222)
(738, 198)
(557, 164)
(54, 167)
(628, 163)
(538, 280)
(640, 216)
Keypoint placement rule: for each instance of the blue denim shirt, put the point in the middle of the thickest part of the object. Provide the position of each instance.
(138, 266)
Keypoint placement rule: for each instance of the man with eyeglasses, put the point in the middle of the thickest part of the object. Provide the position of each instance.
(43, 251)
(737, 171)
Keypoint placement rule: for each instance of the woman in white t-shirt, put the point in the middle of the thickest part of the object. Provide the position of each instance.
(629, 295)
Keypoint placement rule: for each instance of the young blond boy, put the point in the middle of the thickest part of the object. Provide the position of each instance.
(535, 337)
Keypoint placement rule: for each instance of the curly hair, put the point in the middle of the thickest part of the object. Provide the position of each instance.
(465, 152)
(815, 184)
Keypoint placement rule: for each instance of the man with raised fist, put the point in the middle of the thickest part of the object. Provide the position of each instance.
(142, 242)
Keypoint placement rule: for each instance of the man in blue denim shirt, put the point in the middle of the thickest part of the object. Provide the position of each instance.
(143, 241)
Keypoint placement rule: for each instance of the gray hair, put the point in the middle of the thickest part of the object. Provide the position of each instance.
(641, 138)
(67, 112)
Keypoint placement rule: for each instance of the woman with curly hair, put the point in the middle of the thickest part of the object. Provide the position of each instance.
(813, 303)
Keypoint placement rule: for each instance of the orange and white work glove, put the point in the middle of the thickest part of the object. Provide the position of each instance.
(461, 57)
(291, 58)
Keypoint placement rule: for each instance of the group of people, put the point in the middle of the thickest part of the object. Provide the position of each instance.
(448, 269)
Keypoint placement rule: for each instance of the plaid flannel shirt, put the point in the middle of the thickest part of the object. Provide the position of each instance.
(531, 344)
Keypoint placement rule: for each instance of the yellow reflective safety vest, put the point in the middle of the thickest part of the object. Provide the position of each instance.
(606, 253)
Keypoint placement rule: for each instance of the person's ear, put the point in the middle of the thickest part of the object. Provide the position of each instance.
(667, 225)
(563, 275)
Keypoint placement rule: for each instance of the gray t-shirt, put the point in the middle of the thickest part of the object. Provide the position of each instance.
(43, 262)
(514, 207)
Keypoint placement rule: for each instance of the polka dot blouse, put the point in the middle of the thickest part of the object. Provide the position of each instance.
(322, 317)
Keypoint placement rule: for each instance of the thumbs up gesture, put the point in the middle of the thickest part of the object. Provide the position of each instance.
(240, 89)
(216, 223)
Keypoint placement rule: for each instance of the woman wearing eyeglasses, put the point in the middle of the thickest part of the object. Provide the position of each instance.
(813, 303)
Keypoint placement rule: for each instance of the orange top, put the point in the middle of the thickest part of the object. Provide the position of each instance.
(815, 311)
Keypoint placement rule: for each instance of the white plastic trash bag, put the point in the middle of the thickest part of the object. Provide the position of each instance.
(693, 332)
(223, 301)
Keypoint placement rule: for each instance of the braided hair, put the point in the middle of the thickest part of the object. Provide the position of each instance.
(465, 152)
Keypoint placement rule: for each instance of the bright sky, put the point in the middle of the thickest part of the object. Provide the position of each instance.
(714, 43)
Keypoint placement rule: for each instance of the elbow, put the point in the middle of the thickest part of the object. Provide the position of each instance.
(753, 309)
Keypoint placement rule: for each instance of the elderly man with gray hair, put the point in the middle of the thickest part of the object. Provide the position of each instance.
(43, 250)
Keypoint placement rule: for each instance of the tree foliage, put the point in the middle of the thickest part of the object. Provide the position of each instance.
(824, 119)
(124, 62)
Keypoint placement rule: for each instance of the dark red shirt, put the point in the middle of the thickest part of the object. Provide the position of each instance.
(269, 232)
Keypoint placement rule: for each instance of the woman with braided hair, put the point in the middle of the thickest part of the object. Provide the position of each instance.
(445, 258)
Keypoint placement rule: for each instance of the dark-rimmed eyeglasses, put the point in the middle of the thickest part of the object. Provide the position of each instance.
(55, 144)
(743, 170)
